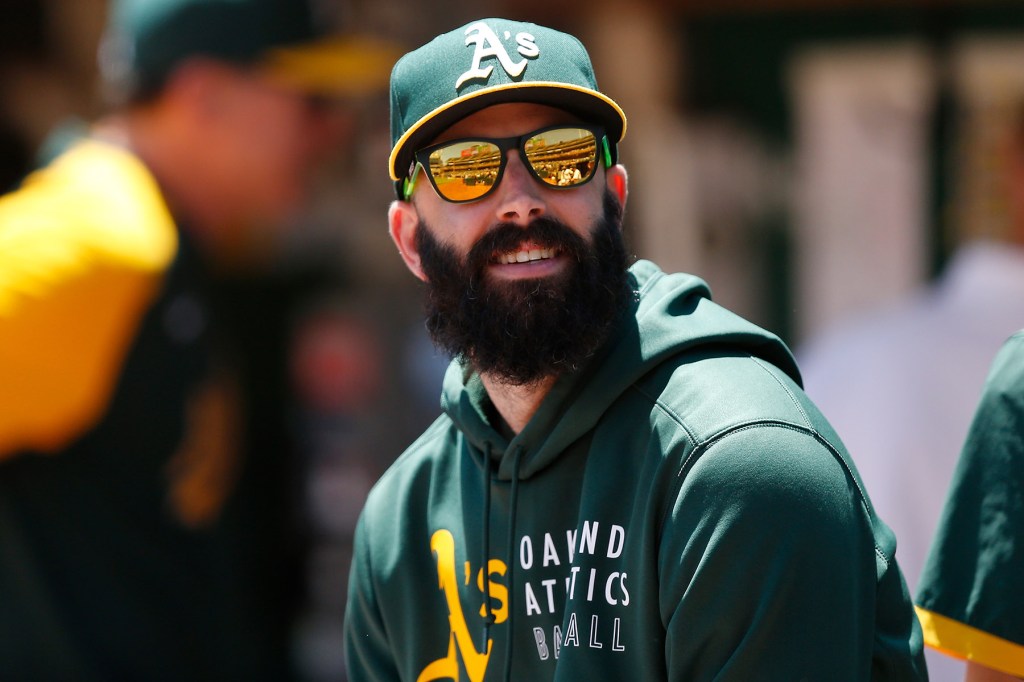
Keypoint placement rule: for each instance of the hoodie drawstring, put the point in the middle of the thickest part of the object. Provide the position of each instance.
(488, 616)
(513, 508)
(513, 504)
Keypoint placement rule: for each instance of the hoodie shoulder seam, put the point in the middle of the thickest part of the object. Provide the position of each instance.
(809, 426)
(796, 403)
(665, 409)
(696, 441)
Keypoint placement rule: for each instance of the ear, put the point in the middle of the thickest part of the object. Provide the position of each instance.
(618, 182)
(403, 221)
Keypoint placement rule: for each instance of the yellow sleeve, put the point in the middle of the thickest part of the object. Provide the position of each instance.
(956, 639)
(83, 247)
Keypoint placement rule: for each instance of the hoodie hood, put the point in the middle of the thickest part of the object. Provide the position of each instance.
(671, 314)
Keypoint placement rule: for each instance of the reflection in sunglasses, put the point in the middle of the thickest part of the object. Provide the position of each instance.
(466, 170)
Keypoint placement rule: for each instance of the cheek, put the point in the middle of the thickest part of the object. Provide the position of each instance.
(458, 225)
(579, 209)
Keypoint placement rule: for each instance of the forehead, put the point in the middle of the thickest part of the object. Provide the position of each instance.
(507, 120)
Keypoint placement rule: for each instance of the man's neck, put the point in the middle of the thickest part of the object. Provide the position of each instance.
(516, 405)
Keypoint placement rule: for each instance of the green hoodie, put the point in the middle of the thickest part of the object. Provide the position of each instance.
(679, 510)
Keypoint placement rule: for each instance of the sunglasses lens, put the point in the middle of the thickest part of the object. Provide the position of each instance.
(464, 171)
(468, 169)
(563, 157)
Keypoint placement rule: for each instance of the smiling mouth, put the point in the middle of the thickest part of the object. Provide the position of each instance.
(525, 256)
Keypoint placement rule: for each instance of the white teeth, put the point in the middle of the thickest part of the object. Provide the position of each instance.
(525, 256)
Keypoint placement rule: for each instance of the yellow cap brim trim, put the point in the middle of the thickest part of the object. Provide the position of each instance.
(340, 66)
(461, 101)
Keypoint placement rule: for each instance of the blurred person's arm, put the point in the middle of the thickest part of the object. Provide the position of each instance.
(82, 247)
(974, 567)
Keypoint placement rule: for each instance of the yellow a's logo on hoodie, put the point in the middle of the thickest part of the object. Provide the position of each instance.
(460, 641)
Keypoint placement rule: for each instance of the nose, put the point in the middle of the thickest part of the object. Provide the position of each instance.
(519, 197)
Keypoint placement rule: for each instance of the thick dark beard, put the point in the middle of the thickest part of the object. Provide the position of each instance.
(522, 332)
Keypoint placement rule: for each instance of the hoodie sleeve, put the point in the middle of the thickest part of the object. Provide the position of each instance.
(368, 654)
(770, 570)
(975, 571)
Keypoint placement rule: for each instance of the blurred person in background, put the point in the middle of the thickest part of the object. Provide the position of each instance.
(900, 384)
(627, 482)
(121, 414)
(970, 595)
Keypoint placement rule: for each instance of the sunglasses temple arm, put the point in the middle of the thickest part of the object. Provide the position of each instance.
(609, 159)
(406, 185)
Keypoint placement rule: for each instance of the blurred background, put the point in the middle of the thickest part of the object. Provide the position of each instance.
(811, 159)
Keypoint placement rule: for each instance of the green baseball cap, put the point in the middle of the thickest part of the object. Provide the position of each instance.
(147, 39)
(487, 62)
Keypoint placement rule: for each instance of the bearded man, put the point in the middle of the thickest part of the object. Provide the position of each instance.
(627, 482)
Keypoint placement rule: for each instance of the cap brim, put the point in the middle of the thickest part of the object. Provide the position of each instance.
(337, 66)
(589, 105)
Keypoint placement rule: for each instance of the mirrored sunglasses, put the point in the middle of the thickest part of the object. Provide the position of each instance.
(560, 157)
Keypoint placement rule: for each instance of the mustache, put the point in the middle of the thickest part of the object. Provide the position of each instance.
(545, 232)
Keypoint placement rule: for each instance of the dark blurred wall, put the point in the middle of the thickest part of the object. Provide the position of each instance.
(22, 41)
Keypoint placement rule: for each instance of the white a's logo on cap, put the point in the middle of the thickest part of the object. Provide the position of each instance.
(489, 45)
